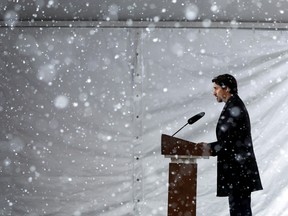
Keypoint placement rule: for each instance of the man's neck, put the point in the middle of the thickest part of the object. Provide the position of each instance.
(227, 97)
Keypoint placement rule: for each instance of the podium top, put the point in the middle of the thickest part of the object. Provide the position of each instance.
(175, 146)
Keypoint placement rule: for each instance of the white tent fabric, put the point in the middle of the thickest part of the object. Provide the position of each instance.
(83, 110)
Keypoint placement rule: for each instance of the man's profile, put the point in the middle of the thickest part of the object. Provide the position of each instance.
(237, 170)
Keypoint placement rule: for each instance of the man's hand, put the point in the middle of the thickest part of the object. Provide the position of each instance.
(205, 148)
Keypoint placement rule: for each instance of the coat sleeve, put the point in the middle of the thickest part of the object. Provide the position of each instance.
(215, 147)
(231, 129)
(228, 136)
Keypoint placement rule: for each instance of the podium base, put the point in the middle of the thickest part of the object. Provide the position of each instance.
(182, 189)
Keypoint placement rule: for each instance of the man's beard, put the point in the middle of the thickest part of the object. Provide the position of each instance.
(219, 100)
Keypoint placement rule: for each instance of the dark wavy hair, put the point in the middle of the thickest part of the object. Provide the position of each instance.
(226, 80)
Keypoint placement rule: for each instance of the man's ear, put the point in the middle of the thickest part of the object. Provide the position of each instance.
(227, 89)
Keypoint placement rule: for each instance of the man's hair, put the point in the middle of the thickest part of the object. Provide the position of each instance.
(226, 80)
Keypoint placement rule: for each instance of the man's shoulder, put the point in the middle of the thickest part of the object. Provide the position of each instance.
(236, 106)
(236, 100)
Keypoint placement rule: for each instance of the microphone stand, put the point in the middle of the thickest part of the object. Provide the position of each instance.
(180, 129)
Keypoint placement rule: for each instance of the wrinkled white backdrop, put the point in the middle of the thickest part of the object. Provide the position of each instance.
(82, 111)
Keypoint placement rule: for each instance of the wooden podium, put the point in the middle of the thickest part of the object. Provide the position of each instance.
(182, 173)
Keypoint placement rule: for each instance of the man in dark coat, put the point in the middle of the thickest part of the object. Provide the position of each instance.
(237, 171)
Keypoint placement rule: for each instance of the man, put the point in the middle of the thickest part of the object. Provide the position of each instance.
(237, 171)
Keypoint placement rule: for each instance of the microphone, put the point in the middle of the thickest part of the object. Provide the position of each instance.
(192, 120)
(195, 118)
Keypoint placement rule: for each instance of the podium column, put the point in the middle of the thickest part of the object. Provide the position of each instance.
(182, 187)
(182, 173)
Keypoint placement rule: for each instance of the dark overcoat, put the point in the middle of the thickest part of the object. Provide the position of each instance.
(237, 169)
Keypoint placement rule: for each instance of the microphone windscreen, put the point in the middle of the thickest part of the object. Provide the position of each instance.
(196, 118)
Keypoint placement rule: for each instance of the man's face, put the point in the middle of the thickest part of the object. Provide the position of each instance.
(220, 93)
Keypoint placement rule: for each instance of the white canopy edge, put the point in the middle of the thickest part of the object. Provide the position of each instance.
(145, 24)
